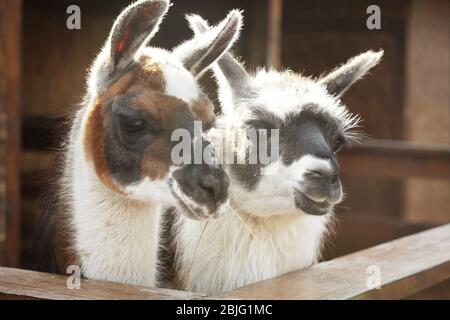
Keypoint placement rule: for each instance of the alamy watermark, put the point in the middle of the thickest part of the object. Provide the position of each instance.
(246, 146)
(374, 279)
(73, 21)
(374, 20)
(74, 280)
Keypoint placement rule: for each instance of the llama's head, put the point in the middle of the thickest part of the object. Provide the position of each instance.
(138, 96)
(312, 123)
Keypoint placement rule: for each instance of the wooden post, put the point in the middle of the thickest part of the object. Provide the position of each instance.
(2, 146)
(274, 33)
(427, 107)
(10, 87)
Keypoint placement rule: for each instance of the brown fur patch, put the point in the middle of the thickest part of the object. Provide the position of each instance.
(118, 87)
(150, 74)
(95, 146)
(94, 131)
(156, 161)
(164, 109)
(205, 111)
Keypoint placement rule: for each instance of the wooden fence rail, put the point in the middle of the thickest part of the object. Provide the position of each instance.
(25, 284)
(406, 266)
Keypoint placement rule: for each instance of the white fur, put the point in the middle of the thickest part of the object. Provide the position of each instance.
(177, 85)
(285, 94)
(230, 25)
(179, 82)
(310, 163)
(116, 237)
(228, 256)
(147, 190)
(274, 193)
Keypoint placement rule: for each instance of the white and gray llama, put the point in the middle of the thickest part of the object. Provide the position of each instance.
(279, 213)
(117, 171)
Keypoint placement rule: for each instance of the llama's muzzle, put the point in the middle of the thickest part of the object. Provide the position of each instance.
(317, 193)
(200, 190)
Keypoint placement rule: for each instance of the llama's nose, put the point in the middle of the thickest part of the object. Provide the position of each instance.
(322, 183)
(215, 184)
(330, 176)
(205, 184)
(212, 185)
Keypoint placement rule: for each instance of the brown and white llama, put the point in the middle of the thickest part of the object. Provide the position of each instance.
(117, 168)
(286, 205)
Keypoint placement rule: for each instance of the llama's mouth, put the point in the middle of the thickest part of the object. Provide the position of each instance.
(309, 206)
(191, 208)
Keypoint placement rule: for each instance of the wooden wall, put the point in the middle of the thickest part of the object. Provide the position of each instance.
(2, 138)
(10, 103)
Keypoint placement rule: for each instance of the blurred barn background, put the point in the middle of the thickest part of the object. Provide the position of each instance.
(397, 184)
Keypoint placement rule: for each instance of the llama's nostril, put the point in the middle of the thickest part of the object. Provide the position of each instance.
(335, 178)
(211, 191)
(331, 177)
(211, 186)
(316, 173)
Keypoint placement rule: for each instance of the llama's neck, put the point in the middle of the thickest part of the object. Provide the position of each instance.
(228, 255)
(116, 239)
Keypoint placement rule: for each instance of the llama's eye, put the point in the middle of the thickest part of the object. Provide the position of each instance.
(339, 144)
(132, 125)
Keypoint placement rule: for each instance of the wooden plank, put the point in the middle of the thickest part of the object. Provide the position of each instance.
(274, 33)
(10, 45)
(16, 283)
(408, 265)
(396, 159)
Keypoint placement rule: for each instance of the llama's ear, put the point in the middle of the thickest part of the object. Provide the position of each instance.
(204, 49)
(230, 73)
(133, 27)
(340, 79)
